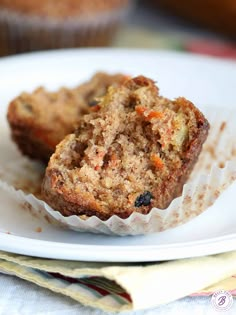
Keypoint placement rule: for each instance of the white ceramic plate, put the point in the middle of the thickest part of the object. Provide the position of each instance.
(203, 80)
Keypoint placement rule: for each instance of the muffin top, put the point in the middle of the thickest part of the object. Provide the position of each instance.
(62, 8)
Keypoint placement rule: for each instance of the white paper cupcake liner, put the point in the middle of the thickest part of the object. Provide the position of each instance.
(214, 172)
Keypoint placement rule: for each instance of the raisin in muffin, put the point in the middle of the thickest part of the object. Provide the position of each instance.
(135, 153)
(40, 120)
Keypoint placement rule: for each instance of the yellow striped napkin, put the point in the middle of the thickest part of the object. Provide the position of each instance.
(118, 287)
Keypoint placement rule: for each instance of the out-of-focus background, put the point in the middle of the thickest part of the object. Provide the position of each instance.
(198, 26)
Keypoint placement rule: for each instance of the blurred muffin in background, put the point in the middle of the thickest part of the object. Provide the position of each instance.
(28, 25)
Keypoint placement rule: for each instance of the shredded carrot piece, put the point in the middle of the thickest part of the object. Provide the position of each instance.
(95, 108)
(158, 163)
(154, 114)
(140, 109)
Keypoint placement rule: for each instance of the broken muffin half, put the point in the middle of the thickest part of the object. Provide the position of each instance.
(135, 152)
(40, 120)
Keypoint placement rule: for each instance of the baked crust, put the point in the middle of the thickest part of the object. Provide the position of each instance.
(135, 153)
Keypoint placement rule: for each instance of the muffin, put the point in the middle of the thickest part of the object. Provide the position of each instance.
(134, 153)
(40, 120)
(28, 25)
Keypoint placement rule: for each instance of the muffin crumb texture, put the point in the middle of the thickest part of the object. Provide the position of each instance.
(133, 153)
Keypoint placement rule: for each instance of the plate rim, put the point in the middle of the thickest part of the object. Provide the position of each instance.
(117, 250)
(109, 253)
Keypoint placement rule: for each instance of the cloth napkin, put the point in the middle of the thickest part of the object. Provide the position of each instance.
(119, 287)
